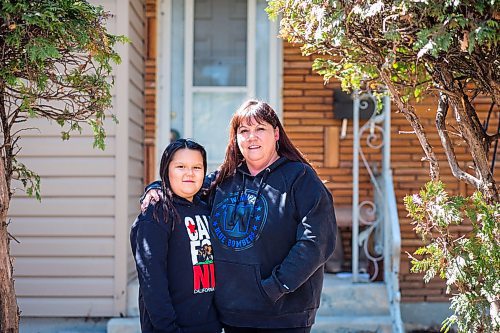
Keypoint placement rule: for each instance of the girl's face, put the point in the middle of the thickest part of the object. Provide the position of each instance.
(185, 173)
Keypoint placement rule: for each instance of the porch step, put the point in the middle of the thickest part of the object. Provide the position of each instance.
(352, 324)
(124, 325)
(342, 297)
(348, 307)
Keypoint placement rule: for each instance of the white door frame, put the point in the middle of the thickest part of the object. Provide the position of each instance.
(163, 97)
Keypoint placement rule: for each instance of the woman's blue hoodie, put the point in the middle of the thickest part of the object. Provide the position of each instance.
(175, 270)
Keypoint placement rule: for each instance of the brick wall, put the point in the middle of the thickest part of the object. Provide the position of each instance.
(308, 115)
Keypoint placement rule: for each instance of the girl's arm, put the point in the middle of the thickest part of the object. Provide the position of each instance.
(152, 192)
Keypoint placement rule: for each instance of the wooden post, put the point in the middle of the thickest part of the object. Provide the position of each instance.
(331, 140)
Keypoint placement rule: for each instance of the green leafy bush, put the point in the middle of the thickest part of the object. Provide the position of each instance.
(470, 263)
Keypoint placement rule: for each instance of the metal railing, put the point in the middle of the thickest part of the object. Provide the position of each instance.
(380, 237)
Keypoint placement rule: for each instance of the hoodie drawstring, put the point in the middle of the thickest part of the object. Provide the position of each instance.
(241, 194)
(261, 185)
(239, 198)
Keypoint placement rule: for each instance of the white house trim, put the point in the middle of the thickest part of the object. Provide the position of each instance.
(121, 166)
(163, 97)
(251, 40)
(188, 67)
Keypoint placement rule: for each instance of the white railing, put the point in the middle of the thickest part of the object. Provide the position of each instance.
(384, 227)
(392, 251)
(392, 234)
(367, 215)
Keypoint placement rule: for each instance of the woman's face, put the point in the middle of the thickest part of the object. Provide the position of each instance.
(185, 173)
(257, 143)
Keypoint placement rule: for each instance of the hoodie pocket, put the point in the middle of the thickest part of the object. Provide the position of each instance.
(238, 287)
(300, 300)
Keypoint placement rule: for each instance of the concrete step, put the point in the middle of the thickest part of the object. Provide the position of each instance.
(346, 307)
(341, 297)
(330, 324)
(124, 325)
(352, 324)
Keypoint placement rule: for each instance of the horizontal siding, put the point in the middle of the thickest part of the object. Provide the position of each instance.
(64, 267)
(136, 69)
(62, 286)
(136, 95)
(65, 306)
(136, 105)
(62, 206)
(71, 165)
(71, 244)
(136, 130)
(137, 16)
(63, 226)
(136, 189)
(63, 247)
(135, 148)
(54, 147)
(131, 272)
(137, 112)
(76, 187)
(135, 167)
(64, 261)
(51, 128)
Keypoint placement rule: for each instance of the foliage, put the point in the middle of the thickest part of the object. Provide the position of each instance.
(469, 263)
(407, 38)
(412, 48)
(56, 63)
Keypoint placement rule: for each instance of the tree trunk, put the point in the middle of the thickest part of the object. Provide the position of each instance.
(9, 312)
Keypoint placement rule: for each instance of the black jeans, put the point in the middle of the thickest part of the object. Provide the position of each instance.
(230, 329)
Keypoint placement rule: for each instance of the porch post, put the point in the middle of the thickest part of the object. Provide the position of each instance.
(386, 150)
(355, 188)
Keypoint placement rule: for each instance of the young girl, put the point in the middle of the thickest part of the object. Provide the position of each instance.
(172, 249)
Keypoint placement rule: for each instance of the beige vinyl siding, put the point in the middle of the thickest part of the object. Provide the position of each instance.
(129, 152)
(137, 34)
(67, 239)
(73, 260)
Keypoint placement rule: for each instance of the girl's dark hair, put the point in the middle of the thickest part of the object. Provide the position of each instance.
(167, 203)
(261, 112)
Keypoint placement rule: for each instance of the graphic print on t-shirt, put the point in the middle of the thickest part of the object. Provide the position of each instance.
(201, 253)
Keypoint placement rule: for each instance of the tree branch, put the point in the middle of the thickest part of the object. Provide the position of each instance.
(415, 123)
(493, 138)
(442, 111)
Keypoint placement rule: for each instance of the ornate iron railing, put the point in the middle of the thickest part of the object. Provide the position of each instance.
(375, 225)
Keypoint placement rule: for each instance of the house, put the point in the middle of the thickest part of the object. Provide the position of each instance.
(190, 63)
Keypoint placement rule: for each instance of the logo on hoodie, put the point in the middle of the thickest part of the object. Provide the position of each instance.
(201, 253)
(238, 221)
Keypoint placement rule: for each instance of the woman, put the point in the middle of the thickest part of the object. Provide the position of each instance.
(274, 228)
(176, 286)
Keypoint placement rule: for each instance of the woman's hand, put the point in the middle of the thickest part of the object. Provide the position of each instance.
(152, 196)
